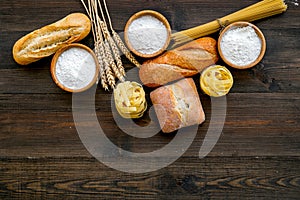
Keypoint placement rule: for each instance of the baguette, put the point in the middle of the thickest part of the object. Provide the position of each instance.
(183, 61)
(177, 105)
(47, 40)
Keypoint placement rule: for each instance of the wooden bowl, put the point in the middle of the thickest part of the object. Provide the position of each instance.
(158, 16)
(258, 32)
(53, 67)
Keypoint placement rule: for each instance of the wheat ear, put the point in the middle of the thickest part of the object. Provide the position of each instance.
(102, 74)
(109, 50)
(113, 53)
(124, 49)
(111, 41)
(104, 51)
(117, 38)
(91, 9)
(117, 56)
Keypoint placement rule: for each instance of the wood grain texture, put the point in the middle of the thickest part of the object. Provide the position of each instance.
(256, 157)
(236, 178)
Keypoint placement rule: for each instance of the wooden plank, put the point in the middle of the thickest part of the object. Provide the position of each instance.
(221, 177)
(277, 72)
(181, 14)
(266, 77)
(256, 125)
(256, 157)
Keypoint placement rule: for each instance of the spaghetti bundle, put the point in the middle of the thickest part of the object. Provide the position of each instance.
(260, 10)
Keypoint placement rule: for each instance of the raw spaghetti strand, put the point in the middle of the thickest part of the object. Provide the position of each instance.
(260, 10)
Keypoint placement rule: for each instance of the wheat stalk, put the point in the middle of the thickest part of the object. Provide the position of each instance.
(111, 51)
(102, 74)
(119, 41)
(107, 60)
(107, 45)
(98, 47)
(120, 71)
(104, 49)
(117, 57)
(98, 50)
(102, 64)
(124, 49)
(108, 75)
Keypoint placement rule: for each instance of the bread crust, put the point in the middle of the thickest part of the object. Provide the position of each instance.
(47, 40)
(177, 105)
(181, 62)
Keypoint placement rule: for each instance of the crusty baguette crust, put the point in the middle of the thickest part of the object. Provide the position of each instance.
(47, 40)
(183, 61)
(177, 105)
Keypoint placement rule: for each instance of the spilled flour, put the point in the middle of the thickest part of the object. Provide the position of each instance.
(295, 2)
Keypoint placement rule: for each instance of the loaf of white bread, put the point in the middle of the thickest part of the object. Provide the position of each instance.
(184, 61)
(177, 105)
(48, 39)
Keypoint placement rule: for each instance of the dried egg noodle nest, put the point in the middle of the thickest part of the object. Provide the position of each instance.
(130, 99)
(216, 81)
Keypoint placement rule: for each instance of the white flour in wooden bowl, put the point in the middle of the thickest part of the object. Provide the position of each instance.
(75, 68)
(241, 45)
(147, 34)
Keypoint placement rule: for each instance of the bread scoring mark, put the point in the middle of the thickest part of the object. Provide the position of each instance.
(181, 104)
(195, 54)
(197, 59)
(46, 43)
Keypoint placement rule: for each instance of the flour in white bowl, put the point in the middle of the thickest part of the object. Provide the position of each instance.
(75, 68)
(241, 45)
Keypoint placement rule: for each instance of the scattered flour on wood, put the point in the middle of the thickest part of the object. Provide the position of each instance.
(295, 2)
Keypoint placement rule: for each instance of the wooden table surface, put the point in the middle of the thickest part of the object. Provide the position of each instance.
(257, 155)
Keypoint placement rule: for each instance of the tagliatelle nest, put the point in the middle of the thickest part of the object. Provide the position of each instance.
(216, 81)
(130, 99)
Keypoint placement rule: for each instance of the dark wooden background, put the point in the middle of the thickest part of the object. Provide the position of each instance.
(256, 157)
